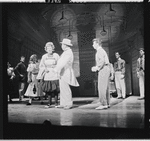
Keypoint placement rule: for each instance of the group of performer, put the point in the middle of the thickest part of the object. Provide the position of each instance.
(53, 74)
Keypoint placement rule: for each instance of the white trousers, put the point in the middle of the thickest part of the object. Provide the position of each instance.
(120, 85)
(65, 93)
(141, 83)
(103, 85)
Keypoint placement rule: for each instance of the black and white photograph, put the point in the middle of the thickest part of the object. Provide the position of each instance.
(74, 71)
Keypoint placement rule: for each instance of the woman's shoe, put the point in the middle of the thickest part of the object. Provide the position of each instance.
(67, 107)
(119, 97)
(108, 106)
(101, 107)
(48, 106)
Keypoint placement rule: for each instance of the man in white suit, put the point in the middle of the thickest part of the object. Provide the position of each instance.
(64, 68)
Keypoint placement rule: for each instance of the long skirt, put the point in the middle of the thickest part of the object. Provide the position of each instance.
(31, 90)
(34, 88)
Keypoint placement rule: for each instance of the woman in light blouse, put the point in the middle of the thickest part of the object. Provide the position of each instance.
(50, 77)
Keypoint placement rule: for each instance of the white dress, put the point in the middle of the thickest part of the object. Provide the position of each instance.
(33, 68)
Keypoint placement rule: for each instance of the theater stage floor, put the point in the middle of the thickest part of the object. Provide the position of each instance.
(127, 113)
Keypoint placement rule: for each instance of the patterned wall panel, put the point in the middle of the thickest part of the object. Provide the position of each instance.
(14, 50)
(135, 55)
(87, 60)
(130, 56)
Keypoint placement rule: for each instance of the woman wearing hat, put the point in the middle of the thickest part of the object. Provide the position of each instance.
(50, 83)
(67, 77)
(33, 69)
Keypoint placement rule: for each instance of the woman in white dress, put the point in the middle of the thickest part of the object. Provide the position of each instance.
(33, 69)
(50, 83)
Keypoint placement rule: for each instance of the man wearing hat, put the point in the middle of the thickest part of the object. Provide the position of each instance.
(66, 73)
(140, 72)
(119, 68)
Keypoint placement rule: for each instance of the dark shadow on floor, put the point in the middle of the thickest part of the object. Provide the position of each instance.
(49, 131)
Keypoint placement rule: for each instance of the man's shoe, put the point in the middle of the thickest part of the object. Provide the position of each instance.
(141, 98)
(56, 105)
(59, 106)
(67, 107)
(101, 107)
(119, 97)
(28, 104)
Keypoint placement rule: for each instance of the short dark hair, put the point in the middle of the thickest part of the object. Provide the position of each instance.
(141, 49)
(22, 56)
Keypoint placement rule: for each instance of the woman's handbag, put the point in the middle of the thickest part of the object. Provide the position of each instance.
(34, 89)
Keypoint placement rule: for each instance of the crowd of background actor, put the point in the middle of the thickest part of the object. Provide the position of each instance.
(53, 74)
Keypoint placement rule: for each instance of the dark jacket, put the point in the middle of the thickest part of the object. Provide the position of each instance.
(20, 69)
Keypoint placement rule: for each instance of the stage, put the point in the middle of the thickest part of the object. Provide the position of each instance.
(123, 113)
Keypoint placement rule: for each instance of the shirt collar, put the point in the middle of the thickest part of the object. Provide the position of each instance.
(99, 48)
(67, 49)
(119, 58)
(142, 56)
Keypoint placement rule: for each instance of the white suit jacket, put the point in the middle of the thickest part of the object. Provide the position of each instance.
(64, 67)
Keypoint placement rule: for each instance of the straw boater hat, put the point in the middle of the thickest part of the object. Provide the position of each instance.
(66, 42)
